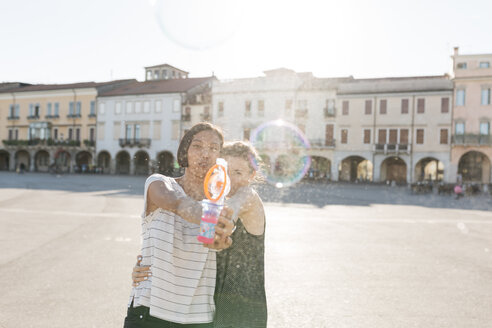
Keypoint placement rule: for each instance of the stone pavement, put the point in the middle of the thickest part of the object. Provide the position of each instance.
(336, 255)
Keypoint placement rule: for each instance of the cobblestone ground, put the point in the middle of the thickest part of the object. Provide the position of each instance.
(337, 255)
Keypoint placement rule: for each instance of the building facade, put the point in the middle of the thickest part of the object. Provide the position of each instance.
(394, 129)
(139, 125)
(471, 152)
(50, 126)
(164, 72)
(242, 105)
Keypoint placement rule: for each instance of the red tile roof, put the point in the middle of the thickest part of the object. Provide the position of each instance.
(80, 85)
(158, 86)
(11, 85)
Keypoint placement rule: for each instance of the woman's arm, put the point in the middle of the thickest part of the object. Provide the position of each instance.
(160, 195)
(248, 206)
(253, 215)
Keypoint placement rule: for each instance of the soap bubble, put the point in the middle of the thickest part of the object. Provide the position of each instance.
(284, 151)
(198, 24)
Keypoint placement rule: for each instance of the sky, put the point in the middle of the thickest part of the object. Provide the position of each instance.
(63, 41)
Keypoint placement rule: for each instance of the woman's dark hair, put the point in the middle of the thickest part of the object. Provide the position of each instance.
(244, 150)
(188, 138)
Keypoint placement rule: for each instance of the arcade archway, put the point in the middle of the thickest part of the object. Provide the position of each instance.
(122, 163)
(429, 169)
(141, 160)
(474, 166)
(394, 169)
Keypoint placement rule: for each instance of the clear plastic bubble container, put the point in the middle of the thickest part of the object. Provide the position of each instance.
(210, 217)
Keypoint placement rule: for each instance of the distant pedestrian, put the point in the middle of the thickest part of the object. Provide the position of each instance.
(458, 191)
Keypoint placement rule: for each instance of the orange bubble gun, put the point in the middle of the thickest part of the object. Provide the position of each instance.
(216, 187)
(217, 183)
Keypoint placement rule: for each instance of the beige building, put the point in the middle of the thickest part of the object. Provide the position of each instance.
(50, 126)
(393, 129)
(471, 153)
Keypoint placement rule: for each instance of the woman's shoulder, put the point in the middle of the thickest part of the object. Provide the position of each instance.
(159, 177)
(169, 183)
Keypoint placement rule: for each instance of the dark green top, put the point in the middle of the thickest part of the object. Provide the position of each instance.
(240, 299)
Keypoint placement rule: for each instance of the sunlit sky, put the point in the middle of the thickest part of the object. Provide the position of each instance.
(60, 41)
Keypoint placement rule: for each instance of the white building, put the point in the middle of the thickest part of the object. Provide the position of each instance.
(241, 105)
(139, 125)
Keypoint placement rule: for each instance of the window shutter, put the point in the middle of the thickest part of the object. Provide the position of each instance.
(444, 136)
(367, 136)
(393, 136)
(382, 106)
(344, 136)
(444, 105)
(345, 107)
(420, 105)
(329, 135)
(382, 136)
(404, 106)
(404, 136)
(368, 108)
(420, 136)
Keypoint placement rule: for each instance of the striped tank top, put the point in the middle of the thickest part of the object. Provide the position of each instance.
(182, 284)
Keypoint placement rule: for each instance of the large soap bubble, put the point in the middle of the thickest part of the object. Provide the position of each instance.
(198, 24)
(283, 149)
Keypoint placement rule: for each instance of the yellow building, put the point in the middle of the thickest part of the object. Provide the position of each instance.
(471, 153)
(50, 126)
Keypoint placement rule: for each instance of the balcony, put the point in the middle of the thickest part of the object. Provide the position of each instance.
(89, 143)
(52, 116)
(74, 116)
(33, 117)
(12, 118)
(92, 115)
(392, 148)
(135, 142)
(186, 117)
(471, 139)
(42, 142)
(322, 143)
(329, 112)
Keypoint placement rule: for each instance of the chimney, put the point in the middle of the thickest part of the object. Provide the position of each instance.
(456, 50)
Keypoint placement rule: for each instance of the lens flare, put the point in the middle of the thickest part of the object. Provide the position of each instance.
(198, 24)
(284, 151)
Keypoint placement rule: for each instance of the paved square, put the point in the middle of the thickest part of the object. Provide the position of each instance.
(336, 255)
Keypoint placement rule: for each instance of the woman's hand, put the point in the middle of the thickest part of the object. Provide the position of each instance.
(140, 273)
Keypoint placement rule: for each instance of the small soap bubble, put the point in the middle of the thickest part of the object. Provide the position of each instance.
(198, 24)
(283, 149)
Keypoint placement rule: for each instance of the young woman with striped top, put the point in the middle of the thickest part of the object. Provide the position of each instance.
(179, 293)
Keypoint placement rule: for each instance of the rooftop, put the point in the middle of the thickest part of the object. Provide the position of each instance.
(80, 85)
(396, 84)
(158, 86)
(166, 65)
